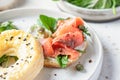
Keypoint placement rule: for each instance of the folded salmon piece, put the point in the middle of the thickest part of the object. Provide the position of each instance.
(63, 45)
(47, 47)
(53, 50)
(71, 39)
(69, 25)
(61, 49)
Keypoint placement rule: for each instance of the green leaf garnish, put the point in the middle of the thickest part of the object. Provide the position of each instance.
(62, 60)
(47, 22)
(7, 26)
(5, 59)
(85, 30)
(81, 51)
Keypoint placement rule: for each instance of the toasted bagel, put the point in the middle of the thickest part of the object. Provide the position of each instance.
(27, 49)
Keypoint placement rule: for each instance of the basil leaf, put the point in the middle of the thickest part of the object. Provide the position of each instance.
(62, 60)
(47, 22)
(7, 26)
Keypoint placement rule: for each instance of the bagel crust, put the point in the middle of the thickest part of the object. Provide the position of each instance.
(27, 49)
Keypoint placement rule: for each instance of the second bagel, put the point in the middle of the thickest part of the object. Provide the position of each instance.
(28, 51)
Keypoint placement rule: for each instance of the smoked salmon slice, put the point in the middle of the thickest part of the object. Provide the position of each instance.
(70, 25)
(70, 39)
(63, 50)
(47, 47)
(78, 21)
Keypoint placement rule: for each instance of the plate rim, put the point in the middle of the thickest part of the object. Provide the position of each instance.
(95, 34)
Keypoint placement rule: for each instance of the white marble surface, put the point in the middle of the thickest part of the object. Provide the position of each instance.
(109, 33)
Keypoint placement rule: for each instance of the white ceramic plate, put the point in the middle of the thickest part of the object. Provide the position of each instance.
(24, 18)
(89, 14)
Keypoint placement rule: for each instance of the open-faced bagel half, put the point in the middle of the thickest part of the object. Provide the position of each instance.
(27, 49)
(63, 43)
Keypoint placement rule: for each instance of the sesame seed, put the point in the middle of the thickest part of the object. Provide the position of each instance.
(11, 37)
(12, 66)
(24, 39)
(30, 56)
(27, 35)
(27, 61)
(1, 76)
(28, 44)
(55, 74)
(5, 73)
(90, 61)
(6, 39)
(17, 63)
(19, 37)
(4, 78)
(106, 77)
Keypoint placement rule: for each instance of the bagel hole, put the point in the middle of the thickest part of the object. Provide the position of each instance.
(6, 60)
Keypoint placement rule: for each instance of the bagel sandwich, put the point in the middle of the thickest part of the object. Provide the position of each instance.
(63, 40)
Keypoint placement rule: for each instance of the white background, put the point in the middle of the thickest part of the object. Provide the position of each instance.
(109, 33)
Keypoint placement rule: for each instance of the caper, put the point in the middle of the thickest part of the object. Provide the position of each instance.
(79, 67)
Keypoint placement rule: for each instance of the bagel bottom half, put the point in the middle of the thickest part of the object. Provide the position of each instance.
(27, 49)
(52, 62)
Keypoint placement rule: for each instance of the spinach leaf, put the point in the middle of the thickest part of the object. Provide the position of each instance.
(81, 51)
(4, 58)
(114, 6)
(81, 3)
(117, 3)
(85, 30)
(108, 4)
(62, 60)
(100, 4)
(47, 22)
(7, 26)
